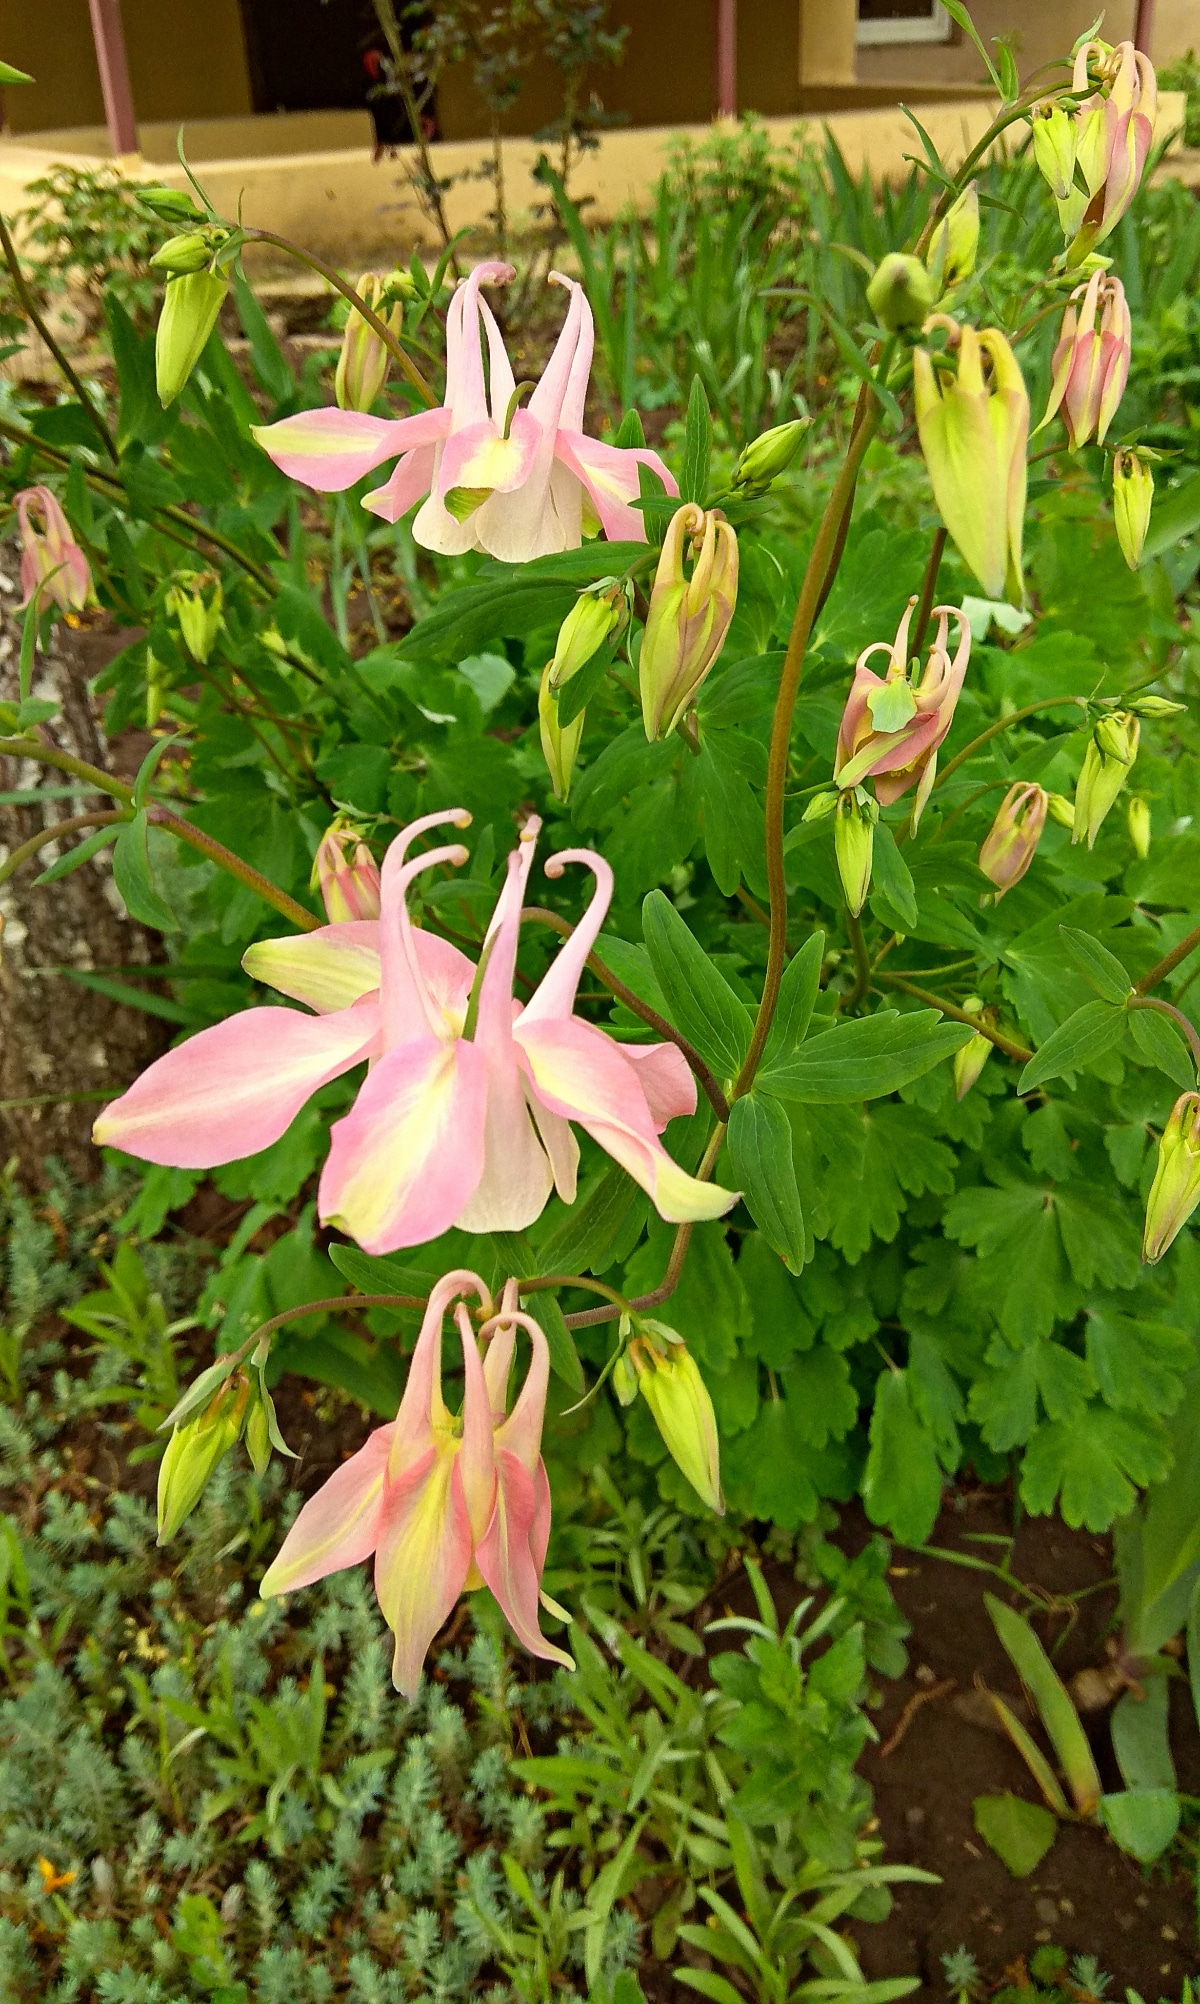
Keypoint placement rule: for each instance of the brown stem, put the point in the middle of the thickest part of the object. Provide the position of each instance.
(1003, 724)
(862, 962)
(929, 589)
(342, 285)
(1177, 1017)
(843, 528)
(386, 15)
(207, 845)
(110, 485)
(585, 1317)
(71, 826)
(1168, 963)
(31, 307)
(1008, 1045)
(642, 1010)
(329, 1305)
(538, 1284)
(781, 734)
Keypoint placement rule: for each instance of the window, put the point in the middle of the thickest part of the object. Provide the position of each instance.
(901, 21)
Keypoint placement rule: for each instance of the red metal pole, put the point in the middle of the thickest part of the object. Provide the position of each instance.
(726, 58)
(109, 37)
(1144, 26)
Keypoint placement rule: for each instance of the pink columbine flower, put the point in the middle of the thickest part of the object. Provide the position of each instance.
(892, 727)
(464, 1116)
(491, 476)
(445, 1504)
(1112, 139)
(1010, 844)
(52, 564)
(347, 875)
(1091, 361)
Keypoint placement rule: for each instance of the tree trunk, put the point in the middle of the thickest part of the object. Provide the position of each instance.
(63, 1048)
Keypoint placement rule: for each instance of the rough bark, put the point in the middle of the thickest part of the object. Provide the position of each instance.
(62, 1044)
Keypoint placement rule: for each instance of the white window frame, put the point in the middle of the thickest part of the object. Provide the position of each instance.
(936, 28)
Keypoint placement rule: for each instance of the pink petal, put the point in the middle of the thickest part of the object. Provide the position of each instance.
(516, 1178)
(422, 1408)
(609, 473)
(331, 449)
(578, 1072)
(555, 993)
(506, 1558)
(410, 1007)
(328, 969)
(666, 1079)
(236, 1088)
(480, 456)
(422, 1558)
(406, 1158)
(338, 1526)
(410, 481)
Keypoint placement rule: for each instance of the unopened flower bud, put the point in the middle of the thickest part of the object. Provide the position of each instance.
(624, 1380)
(597, 616)
(683, 1411)
(190, 252)
(193, 1452)
(1054, 147)
(954, 245)
(54, 570)
(1175, 1192)
(821, 804)
(1060, 809)
(974, 429)
(1137, 820)
(196, 600)
(1111, 752)
(854, 845)
(1133, 498)
(1090, 367)
(346, 874)
(901, 294)
(1011, 842)
(173, 205)
(560, 742)
(769, 455)
(970, 1059)
(189, 314)
(689, 617)
(1156, 707)
(363, 363)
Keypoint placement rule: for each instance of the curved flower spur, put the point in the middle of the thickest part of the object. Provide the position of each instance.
(492, 476)
(464, 1116)
(444, 1503)
(892, 727)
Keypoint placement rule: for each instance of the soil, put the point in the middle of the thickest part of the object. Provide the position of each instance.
(933, 1758)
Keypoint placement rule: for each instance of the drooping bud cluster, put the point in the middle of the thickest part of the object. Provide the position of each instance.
(659, 1365)
(689, 617)
(54, 569)
(1175, 1191)
(1112, 749)
(191, 306)
(346, 874)
(954, 245)
(901, 293)
(855, 816)
(596, 622)
(892, 726)
(197, 602)
(974, 429)
(1133, 498)
(225, 1402)
(769, 455)
(363, 362)
(1010, 844)
(1091, 362)
(970, 1058)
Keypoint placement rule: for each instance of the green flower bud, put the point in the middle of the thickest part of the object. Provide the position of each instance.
(197, 602)
(954, 245)
(1060, 809)
(1133, 498)
(1175, 1192)
(689, 616)
(901, 293)
(173, 205)
(854, 845)
(1137, 820)
(1155, 707)
(597, 616)
(821, 804)
(188, 316)
(683, 1411)
(193, 1452)
(970, 1059)
(624, 1380)
(363, 363)
(1054, 147)
(769, 455)
(191, 252)
(560, 742)
(1106, 766)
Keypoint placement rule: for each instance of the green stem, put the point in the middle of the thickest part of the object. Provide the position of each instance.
(31, 307)
(781, 734)
(1177, 1017)
(110, 484)
(862, 962)
(1169, 962)
(72, 826)
(1004, 724)
(1008, 1045)
(378, 327)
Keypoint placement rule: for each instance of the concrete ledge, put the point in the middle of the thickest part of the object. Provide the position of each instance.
(343, 205)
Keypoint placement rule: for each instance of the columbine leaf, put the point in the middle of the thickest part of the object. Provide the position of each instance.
(701, 1002)
(1085, 1036)
(760, 1148)
(1019, 1832)
(902, 1485)
(1099, 968)
(865, 1059)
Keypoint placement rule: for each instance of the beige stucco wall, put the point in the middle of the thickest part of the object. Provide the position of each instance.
(186, 60)
(1176, 29)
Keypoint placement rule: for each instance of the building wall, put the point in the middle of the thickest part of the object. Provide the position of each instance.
(1041, 33)
(186, 60)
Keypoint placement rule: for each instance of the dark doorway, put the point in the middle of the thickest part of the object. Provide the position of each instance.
(307, 55)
